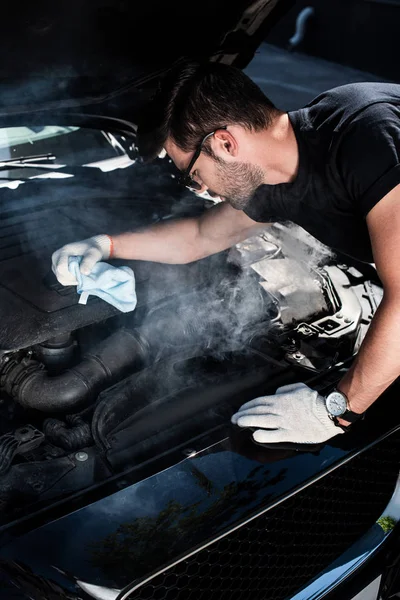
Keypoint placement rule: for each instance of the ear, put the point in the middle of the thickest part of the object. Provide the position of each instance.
(225, 144)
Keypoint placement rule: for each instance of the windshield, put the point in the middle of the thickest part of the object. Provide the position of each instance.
(70, 146)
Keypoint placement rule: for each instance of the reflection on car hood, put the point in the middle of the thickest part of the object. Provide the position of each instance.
(184, 506)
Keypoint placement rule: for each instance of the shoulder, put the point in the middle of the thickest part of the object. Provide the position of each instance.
(370, 130)
(377, 113)
(367, 154)
(337, 108)
(359, 95)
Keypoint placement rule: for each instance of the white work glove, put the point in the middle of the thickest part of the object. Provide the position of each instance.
(295, 413)
(92, 251)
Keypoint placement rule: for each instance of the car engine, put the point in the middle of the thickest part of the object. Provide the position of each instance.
(86, 392)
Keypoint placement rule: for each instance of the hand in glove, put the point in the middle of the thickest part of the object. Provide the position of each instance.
(92, 251)
(295, 413)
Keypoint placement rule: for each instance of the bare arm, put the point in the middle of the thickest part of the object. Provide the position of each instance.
(377, 364)
(185, 240)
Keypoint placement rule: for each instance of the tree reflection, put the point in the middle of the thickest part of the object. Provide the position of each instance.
(387, 523)
(140, 546)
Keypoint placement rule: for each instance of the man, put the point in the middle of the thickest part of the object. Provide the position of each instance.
(332, 167)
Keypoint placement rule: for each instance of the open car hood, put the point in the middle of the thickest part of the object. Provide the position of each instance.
(67, 53)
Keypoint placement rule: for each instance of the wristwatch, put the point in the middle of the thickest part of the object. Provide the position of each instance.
(337, 405)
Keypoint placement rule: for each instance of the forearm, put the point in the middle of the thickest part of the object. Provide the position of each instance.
(186, 240)
(377, 364)
(174, 242)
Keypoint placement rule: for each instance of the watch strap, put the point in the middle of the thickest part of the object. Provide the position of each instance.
(344, 427)
(351, 416)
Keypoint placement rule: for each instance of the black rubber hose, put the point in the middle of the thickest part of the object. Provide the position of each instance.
(78, 435)
(8, 447)
(30, 385)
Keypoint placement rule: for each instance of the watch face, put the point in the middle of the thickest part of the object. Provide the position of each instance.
(336, 404)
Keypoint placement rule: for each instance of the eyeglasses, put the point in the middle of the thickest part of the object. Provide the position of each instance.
(185, 177)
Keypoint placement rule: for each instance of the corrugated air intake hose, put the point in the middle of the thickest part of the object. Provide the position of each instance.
(29, 384)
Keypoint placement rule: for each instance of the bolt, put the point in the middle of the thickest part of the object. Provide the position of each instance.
(81, 456)
(298, 355)
(303, 329)
(339, 316)
(343, 266)
(24, 434)
(347, 320)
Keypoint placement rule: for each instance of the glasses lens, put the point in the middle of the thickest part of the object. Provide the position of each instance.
(193, 185)
(188, 182)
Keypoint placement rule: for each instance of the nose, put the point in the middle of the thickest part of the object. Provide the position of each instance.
(201, 188)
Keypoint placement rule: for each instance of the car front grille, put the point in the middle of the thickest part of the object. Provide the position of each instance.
(276, 554)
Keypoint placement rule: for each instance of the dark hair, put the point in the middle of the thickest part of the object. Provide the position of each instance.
(195, 99)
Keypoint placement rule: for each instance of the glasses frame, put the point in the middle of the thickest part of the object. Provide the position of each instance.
(185, 178)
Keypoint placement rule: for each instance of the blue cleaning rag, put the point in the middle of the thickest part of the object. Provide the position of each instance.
(115, 285)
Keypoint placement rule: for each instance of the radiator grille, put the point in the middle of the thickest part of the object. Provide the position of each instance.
(276, 554)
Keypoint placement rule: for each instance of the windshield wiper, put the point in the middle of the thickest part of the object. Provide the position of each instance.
(25, 161)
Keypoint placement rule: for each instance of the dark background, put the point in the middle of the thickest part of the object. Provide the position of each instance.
(363, 34)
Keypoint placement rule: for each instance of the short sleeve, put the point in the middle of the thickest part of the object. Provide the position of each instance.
(368, 155)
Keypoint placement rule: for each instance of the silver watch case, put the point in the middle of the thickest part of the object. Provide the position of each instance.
(336, 403)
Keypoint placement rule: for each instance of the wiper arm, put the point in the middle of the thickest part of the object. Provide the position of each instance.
(25, 161)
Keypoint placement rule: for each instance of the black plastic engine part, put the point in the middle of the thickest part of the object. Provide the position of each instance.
(24, 439)
(57, 353)
(171, 402)
(34, 307)
(76, 436)
(30, 385)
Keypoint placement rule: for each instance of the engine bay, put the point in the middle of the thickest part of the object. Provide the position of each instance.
(87, 392)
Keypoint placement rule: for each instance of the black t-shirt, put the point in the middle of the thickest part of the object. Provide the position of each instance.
(349, 158)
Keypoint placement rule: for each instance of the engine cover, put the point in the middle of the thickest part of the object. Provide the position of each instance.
(39, 218)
